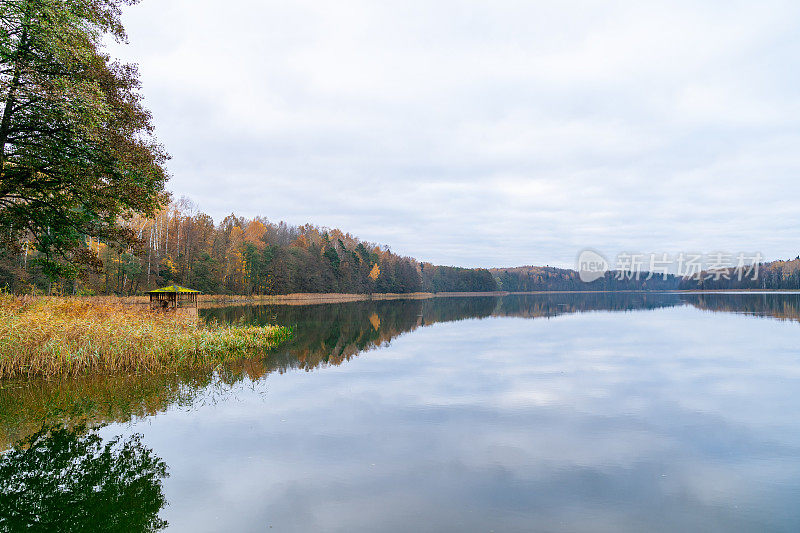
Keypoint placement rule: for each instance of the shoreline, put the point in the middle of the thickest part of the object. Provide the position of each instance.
(220, 300)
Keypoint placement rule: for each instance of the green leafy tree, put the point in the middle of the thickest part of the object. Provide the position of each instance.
(77, 153)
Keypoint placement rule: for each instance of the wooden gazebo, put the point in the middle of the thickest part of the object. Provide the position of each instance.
(173, 297)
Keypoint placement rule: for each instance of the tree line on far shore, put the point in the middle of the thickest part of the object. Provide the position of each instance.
(181, 245)
(534, 278)
(773, 275)
(239, 256)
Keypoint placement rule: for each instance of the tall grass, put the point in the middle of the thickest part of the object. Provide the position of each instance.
(69, 336)
(221, 300)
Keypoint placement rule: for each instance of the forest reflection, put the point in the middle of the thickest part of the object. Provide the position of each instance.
(329, 334)
(325, 334)
(71, 480)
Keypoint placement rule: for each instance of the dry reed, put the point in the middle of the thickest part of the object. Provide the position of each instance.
(70, 336)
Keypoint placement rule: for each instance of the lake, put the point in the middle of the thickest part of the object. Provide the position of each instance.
(551, 412)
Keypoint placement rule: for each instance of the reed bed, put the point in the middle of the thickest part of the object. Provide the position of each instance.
(70, 336)
(210, 301)
(220, 300)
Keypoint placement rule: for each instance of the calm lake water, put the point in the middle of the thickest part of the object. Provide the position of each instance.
(552, 412)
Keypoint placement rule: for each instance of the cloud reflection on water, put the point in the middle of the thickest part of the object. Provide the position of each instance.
(665, 420)
(544, 413)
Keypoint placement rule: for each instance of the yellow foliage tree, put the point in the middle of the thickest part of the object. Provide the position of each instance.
(254, 234)
(375, 272)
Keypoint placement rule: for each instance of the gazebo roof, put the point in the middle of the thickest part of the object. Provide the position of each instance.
(173, 289)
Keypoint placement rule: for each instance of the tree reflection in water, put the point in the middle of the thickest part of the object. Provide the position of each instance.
(325, 335)
(70, 480)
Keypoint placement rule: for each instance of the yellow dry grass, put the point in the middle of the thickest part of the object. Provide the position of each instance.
(70, 336)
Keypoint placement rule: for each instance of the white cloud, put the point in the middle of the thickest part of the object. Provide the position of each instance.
(480, 133)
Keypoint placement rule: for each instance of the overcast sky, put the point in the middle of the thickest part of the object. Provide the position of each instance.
(492, 133)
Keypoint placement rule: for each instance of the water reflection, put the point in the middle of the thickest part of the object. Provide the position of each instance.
(782, 306)
(560, 412)
(325, 335)
(26, 405)
(70, 480)
(659, 418)
(329, 334)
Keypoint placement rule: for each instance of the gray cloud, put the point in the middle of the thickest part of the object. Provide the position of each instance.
(485, 134)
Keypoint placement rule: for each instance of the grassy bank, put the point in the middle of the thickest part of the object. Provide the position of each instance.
(214, 300)
(206, 301)
(70, 336)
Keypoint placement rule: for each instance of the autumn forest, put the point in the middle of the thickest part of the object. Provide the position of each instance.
(239, 256)
(183, 245)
